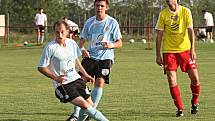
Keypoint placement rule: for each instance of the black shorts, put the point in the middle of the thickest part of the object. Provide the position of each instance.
(68, 92)
(209, 29)
(76, 32)
(40, 28)
(73, 34)
(98, 68)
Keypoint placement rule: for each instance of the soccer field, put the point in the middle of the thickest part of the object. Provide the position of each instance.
(138, 90)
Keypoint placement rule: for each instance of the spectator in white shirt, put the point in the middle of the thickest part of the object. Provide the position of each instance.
(201, 34)
(40, 21)
(73, 28)
(208, 19)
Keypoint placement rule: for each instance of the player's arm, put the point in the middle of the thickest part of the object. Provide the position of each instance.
(82, 70)
(159, 60)
(45, 71)
(85, 53)
(116, 44)
(117, 39)
(192, 42)
(205, 20)
(191, 34)
(46, 22)
(81, 43)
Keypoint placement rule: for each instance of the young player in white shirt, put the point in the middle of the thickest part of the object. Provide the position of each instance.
(40, 21)
(58, 62)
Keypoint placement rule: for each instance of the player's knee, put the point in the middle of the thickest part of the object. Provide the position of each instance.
(172, 82)
(100, 82)
(85, 105)
(194, 77)
(195, 82)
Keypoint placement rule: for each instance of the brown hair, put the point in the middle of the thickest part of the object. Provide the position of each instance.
(107, 1)
(65, 17)
(58, 23)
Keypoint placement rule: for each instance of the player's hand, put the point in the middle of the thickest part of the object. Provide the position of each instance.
(60, 79)
(85, 54)
(193, 55)
(107, 45)
(89, 78)
(159, 60)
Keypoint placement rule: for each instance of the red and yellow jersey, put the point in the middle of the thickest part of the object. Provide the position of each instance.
(174, 26)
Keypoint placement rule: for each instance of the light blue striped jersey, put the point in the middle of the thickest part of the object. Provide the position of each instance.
(96, 31)
(61, 60)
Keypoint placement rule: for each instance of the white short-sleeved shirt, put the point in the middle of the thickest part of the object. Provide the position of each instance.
(72, 25)
(202, 31)
(40, 19)
(209, 19)
(61, 60)
(96, 32)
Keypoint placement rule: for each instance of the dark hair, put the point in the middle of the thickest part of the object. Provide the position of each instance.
(58, 23)
(40, 9)
(203, 11)
(107, 1)
(65, 17)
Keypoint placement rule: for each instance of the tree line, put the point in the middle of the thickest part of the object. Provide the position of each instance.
(129, 13)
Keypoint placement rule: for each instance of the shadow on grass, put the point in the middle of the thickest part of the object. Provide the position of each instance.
(12, 120)
(30, 114)
(16, 113)
(18, 120)
(145, 114)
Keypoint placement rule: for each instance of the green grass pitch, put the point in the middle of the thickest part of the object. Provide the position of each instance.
(138, 90)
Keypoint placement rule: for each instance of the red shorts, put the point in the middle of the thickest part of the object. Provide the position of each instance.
(173, 60)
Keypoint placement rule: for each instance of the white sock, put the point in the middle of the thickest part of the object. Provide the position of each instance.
(41, 39)
(96, 95)
(76, 111)
(95, 114)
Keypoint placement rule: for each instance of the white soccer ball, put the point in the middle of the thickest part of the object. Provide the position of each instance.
(143, 41)
(25, 43)
(131, 41)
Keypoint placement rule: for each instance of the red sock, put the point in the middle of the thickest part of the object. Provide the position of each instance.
(175, 93)
(195, 92)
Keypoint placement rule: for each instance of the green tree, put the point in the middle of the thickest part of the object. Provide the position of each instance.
(127, 12)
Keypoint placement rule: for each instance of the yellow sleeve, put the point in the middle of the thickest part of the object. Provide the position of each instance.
(160, 23)
(189, 18)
